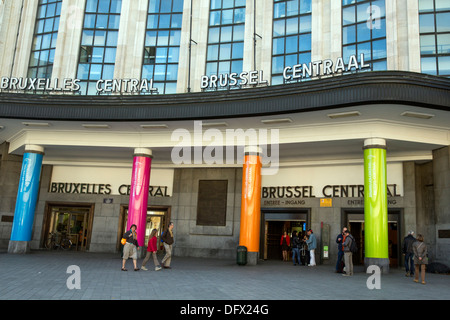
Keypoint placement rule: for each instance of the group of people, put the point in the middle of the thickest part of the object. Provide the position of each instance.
(415, 251)
(301, 247)
(131, 245)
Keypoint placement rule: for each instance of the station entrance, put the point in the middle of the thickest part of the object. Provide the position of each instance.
(274, 223)
(354, 219)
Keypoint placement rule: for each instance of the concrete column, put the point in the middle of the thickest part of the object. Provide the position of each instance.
(140, 180)
(375, 204)
(251, 204)
(26, 200)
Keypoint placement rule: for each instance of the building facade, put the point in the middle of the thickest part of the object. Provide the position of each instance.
(95, 87)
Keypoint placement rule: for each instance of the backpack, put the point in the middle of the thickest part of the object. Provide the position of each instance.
(353, 247)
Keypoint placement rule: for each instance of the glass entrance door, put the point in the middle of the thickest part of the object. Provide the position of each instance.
(67, 222)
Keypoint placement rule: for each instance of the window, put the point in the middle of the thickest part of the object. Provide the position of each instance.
(364, 32)
(98, 43)
(291, 39)
(162, 44)
(212, 202)
(225, 52)
(434, 26)
(44, 40)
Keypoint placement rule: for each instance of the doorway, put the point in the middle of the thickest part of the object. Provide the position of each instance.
(69, 221)
(355, 222)
(273, 225)
(157, 218)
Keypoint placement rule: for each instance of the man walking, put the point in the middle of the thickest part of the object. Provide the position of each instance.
(167, 237)
(348, 255)
(409, 253)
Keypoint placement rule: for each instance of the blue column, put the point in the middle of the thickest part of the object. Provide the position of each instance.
(26, 199)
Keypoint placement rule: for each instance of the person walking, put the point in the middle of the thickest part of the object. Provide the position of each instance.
(295, 248)
(130, 247)
(167, 237)
(151, 251)
(348, 255)
(420, 258)
(312, 244)
(340, 241)
(408, 252)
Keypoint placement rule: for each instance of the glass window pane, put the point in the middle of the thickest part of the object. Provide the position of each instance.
(176, 21)
(379, 29)
(89, 20)
(102, 21)
(239, 15)
(110, 55)
(362, 12)
(213, 36)
(225, 51)
(364, 48)
(96, 72)
(225, 34)
(166, 6)
(363, 33)
(429, 65)
(216, 4)
(108, 71)
(224, 67)
(292, 44)
(211, 68)
(292, 26)
(103, 6)
(163, 38)
(114, 21)
(305, 42)
(238, 50)
(150, 38)
(279, 10)
(147, 71)
(48, 25)
(214, 18)
(99, 39)
(443, 43)
(177, 6)
(171, 88)
(347, 51)
(160, 72)
(304, 57)
(443, 22)
(175, 37)
(348, 35)
(83, 71)
(379, 65)
(116, 6)
(97, 54)
(152, 21)
(379, 49)
(305, 6)
(278, 28)
(161, 55)
(227, 16)
(277, 64)
(442, 5)
(46, 40)
(348, 15)
(305, 24)
(236, 66)
(174, 53)
(427, 44)
(172, 72)
(292, 8)
(426, 23)
(291, 60)
(238, 32)
(278, 46)
(91, 5)
(444, 65)
(213, 52)
(426, 5)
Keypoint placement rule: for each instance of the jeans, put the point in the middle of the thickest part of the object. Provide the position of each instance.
(340, 255)
(409, 262)
(296, 251)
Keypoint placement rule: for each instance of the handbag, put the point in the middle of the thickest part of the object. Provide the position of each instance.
(123, 241)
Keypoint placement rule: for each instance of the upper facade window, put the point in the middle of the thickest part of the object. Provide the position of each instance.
(225, 52)
(364, 32)
(162, 44)
(291, 42)
(434, 23)
(98, 43)
(44, 40)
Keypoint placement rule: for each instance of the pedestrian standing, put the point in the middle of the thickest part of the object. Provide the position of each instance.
(295, 248)
(312, 244)
(409, 253)
(340, 241)
(420, 258)
(285, 243)
(151, 251)
(130, 247)
(167, 237)
(348, 255)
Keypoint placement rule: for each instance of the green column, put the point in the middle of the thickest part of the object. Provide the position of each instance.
(375, 204)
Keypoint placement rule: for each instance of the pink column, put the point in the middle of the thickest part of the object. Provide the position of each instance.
(140, 180)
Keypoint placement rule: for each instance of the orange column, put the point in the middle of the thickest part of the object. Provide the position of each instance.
(251, 201)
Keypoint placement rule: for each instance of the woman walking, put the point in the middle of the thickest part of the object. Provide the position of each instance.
(151, 250)
(420, 258)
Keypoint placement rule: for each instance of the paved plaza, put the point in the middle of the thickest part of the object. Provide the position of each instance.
(44, 275)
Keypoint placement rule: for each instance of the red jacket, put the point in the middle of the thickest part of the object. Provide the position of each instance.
(151, 247)
(288, 240)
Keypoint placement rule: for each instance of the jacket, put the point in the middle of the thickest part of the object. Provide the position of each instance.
(151, 247)
(339, 241)
(129, 236)
(311, 242)
(420, 250)
(296, 242)
(167, 237)
(407, 244)
(288, 240)
(347, 243)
